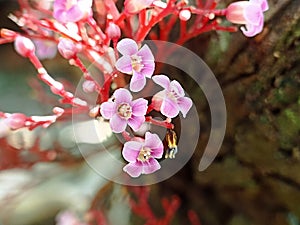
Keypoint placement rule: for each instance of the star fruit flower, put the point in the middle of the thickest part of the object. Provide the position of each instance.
(249, 13)
(122, 111)
(138, 62)
(172, 99)
(142, 155)
(71, 10)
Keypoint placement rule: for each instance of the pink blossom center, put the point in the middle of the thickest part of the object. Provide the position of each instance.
(173, 94)
(136, 63)
(125, 110)
(144, 155)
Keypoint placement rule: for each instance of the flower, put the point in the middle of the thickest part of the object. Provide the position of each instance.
(139, 63)
(249, 13)
(135, 6)
(45, 49)
(71, 10)
(171, 100)
(123, 111)
(141, 155)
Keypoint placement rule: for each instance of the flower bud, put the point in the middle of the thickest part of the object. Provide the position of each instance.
(113, 31)
(135, 6)
(8, 34)
(67, 48)
(16, 121)
(185, 15)
(89, 86)
(24, 46)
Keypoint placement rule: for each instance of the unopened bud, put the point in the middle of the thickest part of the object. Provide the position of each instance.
(58, 111)
(67, 48)
(24, 46)
(185, 15)
(16, 121)
(89, 86)
(113, 31)
(7, 34)
(135, 6)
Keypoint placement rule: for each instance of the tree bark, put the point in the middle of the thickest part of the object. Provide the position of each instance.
(255, 178)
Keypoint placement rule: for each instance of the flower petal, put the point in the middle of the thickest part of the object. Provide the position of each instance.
(135, 122)
(75, 14)
(253, 14)
(150, 166)
(124, 64)
(122, 95)
(176, 87)
(108, 109)
(133, 169)
(131, 150)
(169, 108)
(262, 3)
(148, 69)
(139, 107)
(127, 47)
(137, 82)
(117, 124)
(60, 15)
(252, 30)
(184, 104)
(153, 142)
(146, 54)
(162, 80)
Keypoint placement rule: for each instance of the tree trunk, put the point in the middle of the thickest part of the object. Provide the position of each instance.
(256, 176)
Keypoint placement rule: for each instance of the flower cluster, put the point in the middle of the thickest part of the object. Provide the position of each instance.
(90, 31)
(121, 110)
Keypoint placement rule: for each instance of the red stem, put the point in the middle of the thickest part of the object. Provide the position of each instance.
(86, 73)
(144, 30)
(159, 123)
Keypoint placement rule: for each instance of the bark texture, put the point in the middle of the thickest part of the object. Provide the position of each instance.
(255, 178)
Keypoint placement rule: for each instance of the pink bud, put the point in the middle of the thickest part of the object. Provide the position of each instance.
(135, 6)
(58, 111)
(113, 31)
(16, 121)
(89, 86)
(24, 46)
(185, 15)
(67, 48)
(8, 34)
(4, 128)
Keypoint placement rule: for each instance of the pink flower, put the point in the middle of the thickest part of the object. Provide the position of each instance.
(171, 100)
(249, 13)
(71, 10)
(45, 49)
(135, 6)
(123, 111)
(139, 63)
(141, 155)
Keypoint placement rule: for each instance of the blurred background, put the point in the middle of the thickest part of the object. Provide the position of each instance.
(255, 178)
